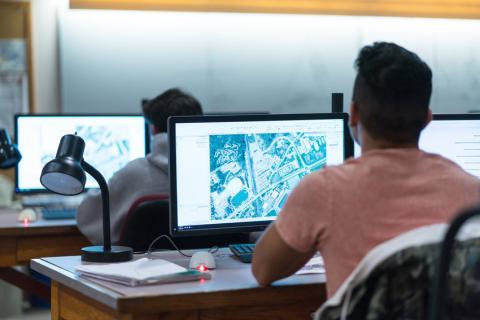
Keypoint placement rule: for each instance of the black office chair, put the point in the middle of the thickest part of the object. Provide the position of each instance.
(148, 218)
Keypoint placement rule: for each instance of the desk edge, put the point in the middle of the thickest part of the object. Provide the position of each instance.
(64, 277)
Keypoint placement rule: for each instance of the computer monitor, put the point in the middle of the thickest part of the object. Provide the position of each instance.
(232, 174)
(454, 136)
(111, 141)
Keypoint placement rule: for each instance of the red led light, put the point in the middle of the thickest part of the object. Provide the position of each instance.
(25, 222)
(202, 268)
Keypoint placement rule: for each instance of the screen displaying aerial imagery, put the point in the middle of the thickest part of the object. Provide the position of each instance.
(110, 143)
(251, 175)
(107, 148)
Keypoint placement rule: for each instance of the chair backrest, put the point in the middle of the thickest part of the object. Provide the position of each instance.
(394, 280)
(148, 218)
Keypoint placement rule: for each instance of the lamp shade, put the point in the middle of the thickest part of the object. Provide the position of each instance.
(9, 154)
(64, 174)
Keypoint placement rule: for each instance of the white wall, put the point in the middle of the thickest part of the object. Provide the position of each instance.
(278, 63)
(245, 62)
(45, 54)
(241, 62)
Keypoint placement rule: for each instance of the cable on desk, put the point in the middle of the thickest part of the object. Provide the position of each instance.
(150, 249)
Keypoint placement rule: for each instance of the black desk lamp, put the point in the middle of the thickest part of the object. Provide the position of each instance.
(65, 175)
(9, 154)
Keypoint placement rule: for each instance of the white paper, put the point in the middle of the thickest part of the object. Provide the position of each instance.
(13, 55)
(314, 265)
(140, 269)
(13, 81)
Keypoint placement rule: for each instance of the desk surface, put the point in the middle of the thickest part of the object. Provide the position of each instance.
(232, 285)
(10, 226)
(20, 243)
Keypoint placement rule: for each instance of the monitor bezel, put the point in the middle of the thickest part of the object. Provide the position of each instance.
(455, 116)
(228, 227)
(61, 115)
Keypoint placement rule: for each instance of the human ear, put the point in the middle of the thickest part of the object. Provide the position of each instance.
(353, 123)
(429, 117)
(353, 120)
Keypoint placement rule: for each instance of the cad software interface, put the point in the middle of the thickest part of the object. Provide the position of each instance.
(110, 143)
(237, 172)
(457, 140)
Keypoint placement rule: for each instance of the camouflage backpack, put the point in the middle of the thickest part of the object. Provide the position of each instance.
(394, 280)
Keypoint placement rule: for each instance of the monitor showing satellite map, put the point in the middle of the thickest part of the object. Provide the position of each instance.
(232, 173)
(251, 175)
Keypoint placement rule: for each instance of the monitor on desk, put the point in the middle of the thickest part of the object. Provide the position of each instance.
(111, 141)
(234, 173)
(454, 136)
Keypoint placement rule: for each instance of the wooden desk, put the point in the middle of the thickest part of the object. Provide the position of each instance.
(231, 294)
(20, 243)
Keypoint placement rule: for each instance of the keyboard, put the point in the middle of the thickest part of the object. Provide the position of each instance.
(244, 251)
(57, 213)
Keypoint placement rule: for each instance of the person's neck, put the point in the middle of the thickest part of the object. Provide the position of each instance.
(369, 144)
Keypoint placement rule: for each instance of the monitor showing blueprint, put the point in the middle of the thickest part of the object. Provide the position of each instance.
(111, 141)
(235, 173)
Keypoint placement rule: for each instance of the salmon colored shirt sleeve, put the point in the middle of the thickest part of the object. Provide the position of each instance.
(302, 223)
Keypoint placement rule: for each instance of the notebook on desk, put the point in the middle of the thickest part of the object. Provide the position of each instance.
(140, 272)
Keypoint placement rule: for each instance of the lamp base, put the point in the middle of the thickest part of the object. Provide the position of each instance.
(99, 254)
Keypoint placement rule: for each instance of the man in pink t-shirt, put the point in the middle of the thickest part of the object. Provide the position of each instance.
(344, 211)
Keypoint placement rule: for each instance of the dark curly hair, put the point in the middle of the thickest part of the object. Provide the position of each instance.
(392, 91)
(173, 102)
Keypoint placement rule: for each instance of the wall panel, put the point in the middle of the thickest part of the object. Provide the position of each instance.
(250, 62)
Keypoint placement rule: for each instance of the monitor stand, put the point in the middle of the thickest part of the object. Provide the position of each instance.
(254, 236)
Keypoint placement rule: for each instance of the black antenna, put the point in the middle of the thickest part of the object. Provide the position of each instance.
(337, 102)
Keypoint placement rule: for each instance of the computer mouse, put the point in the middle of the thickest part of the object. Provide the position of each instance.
(202, 260)
(27, 214)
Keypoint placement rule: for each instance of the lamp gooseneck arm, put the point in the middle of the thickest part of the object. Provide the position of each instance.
(107, 245)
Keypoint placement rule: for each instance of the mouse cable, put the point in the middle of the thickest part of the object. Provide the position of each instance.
(150, 250)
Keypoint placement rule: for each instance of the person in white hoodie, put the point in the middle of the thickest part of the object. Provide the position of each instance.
(142, 176)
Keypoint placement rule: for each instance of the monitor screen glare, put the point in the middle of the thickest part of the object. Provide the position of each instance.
(231, 173)
(110, 143)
